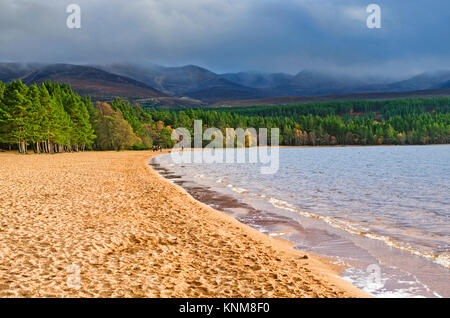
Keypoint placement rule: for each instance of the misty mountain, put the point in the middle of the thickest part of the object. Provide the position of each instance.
(191, 85)
(424, 81)
(258, 80)
(429, 80)
(187, 81)
(308, 86)
(445, 85)
(171, 80)
(226, 92)
(84, 80)
(318, 83)
(201, 84)
(13, 71)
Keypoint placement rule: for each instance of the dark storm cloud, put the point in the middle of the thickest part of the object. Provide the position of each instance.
(232, 35)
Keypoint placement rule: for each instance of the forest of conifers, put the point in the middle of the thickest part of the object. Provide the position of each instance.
(52, 118)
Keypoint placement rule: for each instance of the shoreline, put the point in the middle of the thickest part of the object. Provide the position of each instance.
(261, 216)
(133, 233)
(320, 262)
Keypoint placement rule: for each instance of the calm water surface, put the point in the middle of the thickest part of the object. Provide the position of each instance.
(384, 212)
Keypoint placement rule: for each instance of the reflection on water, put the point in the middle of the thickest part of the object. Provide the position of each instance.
(362, 205)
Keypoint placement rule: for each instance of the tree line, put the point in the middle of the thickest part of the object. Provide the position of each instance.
(309, 129)
(52, 118)
(403, 121)
(47, 118)
(377, 108)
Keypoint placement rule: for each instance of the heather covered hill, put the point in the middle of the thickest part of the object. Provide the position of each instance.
(171, 80)
(84, 80)
(87, 80)
(94, 82)
(204, 85)
(187, 81)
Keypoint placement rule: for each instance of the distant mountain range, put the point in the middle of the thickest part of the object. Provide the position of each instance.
(187, 81)
(425, 81)
(83, 79)
(201, 84)
(193, 86)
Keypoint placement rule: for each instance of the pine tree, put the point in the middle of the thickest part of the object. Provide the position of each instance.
(37, 113)
(16, 119)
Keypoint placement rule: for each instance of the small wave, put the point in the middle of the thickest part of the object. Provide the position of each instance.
(236, 189)
(443, 260)
(220, 180)
(440, 259)
(277, 234)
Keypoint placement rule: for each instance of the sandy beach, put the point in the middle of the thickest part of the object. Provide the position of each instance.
(131, 233)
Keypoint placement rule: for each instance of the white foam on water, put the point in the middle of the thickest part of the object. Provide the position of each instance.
(442, 259)
(236, 189)
(406, 289)
(277, 234)
(350, 227)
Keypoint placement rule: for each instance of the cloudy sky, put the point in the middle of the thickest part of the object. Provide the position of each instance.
(232, 35)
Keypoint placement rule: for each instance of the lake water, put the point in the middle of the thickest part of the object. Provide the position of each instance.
(383, 212)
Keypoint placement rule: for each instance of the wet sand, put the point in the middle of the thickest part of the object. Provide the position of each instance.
(244, 213)
(132, 233)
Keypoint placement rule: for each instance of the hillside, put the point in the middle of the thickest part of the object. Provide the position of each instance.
(13, 71)
(186, 81)
(194, 86)
(424, 81)
(201, 84)
(258, 79)
(88, 80)
(91, 81)
(286, 100)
